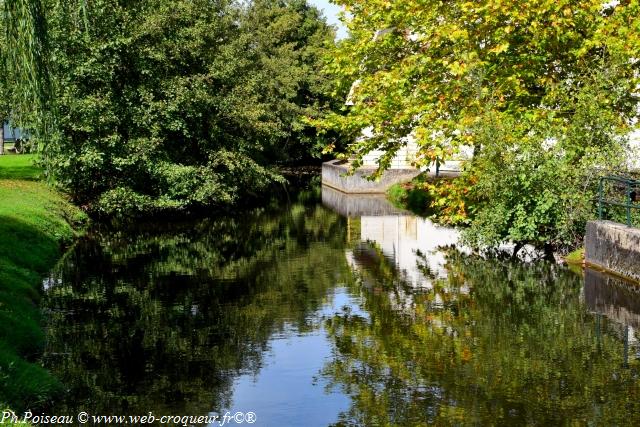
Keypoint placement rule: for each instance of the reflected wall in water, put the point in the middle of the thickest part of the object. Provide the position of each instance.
(619, 301)
(410, 243)
(615, 298)
(357, 205)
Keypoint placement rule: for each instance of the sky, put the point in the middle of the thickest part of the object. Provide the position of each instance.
(331, 12)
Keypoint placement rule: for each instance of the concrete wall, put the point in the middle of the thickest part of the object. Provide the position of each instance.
(334, 174)
(614, 247)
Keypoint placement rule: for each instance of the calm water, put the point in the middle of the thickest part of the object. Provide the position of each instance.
(323, 309)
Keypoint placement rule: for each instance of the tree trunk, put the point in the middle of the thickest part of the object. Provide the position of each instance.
(516, 249)
(2, 139)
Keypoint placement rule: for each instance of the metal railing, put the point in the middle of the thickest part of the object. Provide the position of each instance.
(626, 187)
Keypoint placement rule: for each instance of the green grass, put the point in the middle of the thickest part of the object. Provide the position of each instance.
(575, 257)
(19, 166)
(35, 221)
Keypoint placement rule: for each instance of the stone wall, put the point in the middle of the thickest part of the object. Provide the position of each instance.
(613, 247)
(334, 174)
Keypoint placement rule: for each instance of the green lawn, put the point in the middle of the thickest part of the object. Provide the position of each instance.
(19, 166)
(35, 221)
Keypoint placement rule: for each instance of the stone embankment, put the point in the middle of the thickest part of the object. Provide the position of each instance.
(336, 174)
(613, 247)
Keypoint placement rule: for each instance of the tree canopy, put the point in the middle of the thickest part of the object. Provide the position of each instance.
(162, 105)
(542, 92)
(437, 70)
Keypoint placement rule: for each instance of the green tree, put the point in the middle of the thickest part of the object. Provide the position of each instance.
(158, 106)
(552, 82)
(4, 107)
(5, 89)
(289, 40)
(169, 105)
(25, 58)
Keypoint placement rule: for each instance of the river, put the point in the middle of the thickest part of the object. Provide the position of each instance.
(324, 309)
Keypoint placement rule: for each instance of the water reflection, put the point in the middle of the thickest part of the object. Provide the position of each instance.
(180, 319)
(287, 391)
(358, 205)
(619, 301)
(345, 312)
(486, 341)
(612, 297)
(383, 232)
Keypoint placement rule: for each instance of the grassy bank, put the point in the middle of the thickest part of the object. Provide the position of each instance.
(576, 257)
(35, 223)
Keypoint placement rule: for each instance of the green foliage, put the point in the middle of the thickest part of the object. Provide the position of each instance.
(25, 77)
(397, 194)
(539, 93)
(539, 188)
(406, 196)
(163, 105)
(290, 39)
(34, 222)
(575, 257)
(445, 201)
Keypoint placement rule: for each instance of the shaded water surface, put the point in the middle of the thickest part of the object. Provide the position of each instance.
(324, 309)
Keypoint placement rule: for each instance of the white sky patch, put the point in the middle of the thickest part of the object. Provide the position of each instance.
(331, 12)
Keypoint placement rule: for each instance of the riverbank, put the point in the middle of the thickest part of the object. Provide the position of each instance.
(35, 224)
(444, 200)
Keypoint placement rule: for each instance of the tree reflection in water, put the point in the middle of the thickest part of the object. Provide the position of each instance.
(494, 342)
(164, 319)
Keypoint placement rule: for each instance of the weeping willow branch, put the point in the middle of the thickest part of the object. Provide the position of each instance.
(26, 63)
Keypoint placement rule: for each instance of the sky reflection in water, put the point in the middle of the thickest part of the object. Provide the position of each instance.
(344, 313)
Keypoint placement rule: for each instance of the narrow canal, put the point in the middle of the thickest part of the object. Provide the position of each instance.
(322, 309)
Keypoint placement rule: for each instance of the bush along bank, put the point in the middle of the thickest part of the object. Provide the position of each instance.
(35, 224)
(446, 201)
(525, 217)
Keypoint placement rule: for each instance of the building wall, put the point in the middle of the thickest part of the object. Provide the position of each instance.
(406, 156)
